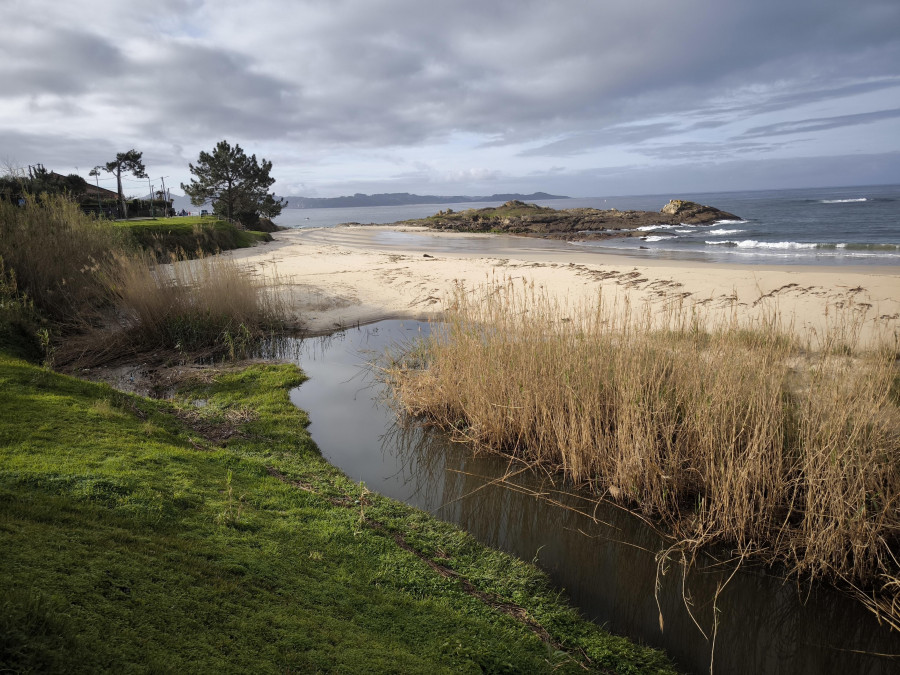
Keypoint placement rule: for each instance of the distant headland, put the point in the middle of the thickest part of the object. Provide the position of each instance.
(403, 198)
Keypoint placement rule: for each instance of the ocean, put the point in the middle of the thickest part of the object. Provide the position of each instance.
(817, 226)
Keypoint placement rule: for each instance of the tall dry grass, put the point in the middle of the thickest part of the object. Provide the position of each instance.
(103, 301)
(785, 447)
(59, 257)
(209, 305)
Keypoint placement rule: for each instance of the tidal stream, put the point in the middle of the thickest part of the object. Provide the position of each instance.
(604, 557)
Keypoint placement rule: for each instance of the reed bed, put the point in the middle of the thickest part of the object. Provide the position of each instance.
(784, 446)
(58, 257)
(209, 307)
(97, 299)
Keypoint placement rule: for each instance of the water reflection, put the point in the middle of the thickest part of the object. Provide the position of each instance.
(604, 556)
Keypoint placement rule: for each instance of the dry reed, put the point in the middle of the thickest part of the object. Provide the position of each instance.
(102, 301)
(784, 447)
(209, 306)
(58, 255)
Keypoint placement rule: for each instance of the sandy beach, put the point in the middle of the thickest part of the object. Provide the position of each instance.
(357, 274)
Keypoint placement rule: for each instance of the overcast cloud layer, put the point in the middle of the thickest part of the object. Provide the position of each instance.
(578, 97)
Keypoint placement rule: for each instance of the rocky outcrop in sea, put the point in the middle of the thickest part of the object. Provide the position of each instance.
(516, 217)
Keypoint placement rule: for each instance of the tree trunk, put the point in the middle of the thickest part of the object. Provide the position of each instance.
(123, 210)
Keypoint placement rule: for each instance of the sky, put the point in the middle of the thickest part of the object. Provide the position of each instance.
(585, 98)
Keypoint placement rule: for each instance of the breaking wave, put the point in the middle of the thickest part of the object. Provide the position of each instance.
(795, 245)
(649, 228)
(724, 232)
(843, 201)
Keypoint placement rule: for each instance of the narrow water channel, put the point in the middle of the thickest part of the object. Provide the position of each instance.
(604, 557)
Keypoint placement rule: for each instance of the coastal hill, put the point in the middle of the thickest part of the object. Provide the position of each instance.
(517, 217)
(402, 198)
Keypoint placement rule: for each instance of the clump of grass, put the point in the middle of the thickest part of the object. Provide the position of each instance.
(20, 325)
(66, 275)
(785, 446)
(59, 256)
(208, 307)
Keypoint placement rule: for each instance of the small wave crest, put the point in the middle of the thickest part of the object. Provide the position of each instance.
(752, 243)
(797, 245)
(843, 201)
(730, 222)
(655, 238)
(870, 247)
(724, 232)
(649, 228)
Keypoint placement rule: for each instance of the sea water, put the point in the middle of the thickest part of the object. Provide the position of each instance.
(818, 226)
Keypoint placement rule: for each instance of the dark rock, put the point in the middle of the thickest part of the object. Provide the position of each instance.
(516, 217)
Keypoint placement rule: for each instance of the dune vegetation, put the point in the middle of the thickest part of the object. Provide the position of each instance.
(192, 235)
(781, 444)
(88, 290)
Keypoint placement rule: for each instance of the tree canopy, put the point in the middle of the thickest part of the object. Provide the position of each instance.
(126, 162)
(15, 184)
(237, 185)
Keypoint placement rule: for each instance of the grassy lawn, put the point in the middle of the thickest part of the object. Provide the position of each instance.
(189, 234)
(140, 535)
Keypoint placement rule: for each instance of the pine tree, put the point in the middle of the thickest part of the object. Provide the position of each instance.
(236, 184)
(126, 162)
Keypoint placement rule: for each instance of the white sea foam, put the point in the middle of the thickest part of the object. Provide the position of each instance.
(684, 231)
(723, 232)
(751, 243)
(843, 201)
(648, 228)
(730, 222)
(655, 238)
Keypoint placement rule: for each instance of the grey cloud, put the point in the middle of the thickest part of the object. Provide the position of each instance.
(581, 143)
(387, 73)
(685, 179)
(205, 90)
(607, 62)
(396, 72)
(64, 62)
(59, 152)
(673, 180)
(699, 151)
(812, 92)
(820, 123)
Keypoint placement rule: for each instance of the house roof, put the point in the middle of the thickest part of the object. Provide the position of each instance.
(91, 189)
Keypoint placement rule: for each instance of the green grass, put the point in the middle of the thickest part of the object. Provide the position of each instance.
(490, 213)
(165, 236)
(139, 535)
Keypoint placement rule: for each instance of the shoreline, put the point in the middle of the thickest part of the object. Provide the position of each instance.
(342, 276)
